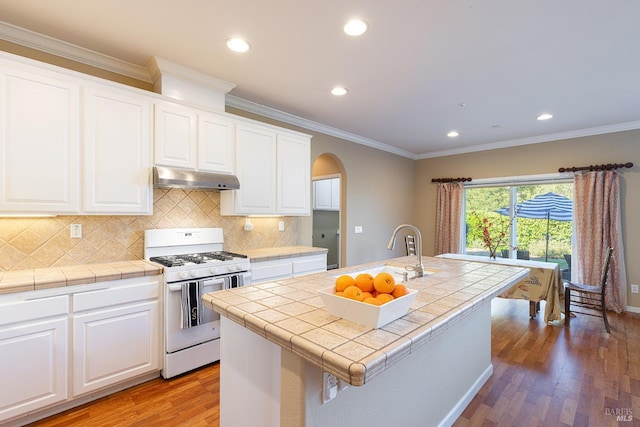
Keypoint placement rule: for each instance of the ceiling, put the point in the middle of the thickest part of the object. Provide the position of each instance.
(486, 69)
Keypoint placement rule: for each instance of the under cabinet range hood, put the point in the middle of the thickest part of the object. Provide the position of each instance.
(164, 177)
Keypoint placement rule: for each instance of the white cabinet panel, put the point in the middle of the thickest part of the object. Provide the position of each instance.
(117, 157)
(309, 264)
(175, 135)
(274, 170)
(322, 194)
(216, 145)
(335, 194)
(33, 354)
(293, 175)
(256, 170)
(114, 345)
(39, 143)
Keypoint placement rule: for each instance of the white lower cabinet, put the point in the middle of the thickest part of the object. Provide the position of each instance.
(113, 345)
(33, 354)
(115, 334)
(282, 268)
(54, 349)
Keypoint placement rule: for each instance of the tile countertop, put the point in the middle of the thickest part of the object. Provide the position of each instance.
(53, 277)
(266, 254)
(290, 313)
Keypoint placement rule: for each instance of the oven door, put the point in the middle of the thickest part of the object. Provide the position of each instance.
(209, 329)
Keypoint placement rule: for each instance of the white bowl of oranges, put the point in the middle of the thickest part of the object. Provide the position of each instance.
(369, 300)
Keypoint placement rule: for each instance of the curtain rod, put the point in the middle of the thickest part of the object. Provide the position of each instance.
(450, 179)
(591, 168)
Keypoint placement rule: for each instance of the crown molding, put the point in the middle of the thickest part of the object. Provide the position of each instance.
(272, 113)
(599, 130)
(72, 52)
(158, 66)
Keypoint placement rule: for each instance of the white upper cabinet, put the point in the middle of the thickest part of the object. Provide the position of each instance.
(189, 138)
(176, 135)
(326, 195)
(39, 141)
(293, 175)
(273, 167)
(256, 170)
(216, 142)
(117, 151)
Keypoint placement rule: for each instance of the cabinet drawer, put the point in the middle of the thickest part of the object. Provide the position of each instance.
(309, 264)
(270, 270)
(119, 292)
(16, 311)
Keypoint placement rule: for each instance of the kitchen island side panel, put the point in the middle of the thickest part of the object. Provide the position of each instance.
(430, 387)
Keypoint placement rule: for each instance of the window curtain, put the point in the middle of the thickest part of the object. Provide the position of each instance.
(597, 226)
(448, 217)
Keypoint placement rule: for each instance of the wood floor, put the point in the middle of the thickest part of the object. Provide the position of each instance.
(548, 376)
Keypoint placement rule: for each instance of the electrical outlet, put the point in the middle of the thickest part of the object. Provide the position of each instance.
(281, 226)
(634, 289)
(76, 231)
(329, 387)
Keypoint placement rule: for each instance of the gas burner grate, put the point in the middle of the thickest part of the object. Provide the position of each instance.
(168, 261)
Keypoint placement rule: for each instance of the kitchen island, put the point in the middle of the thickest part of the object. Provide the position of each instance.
(278, 341)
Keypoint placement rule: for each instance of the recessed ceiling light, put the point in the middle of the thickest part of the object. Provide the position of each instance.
(355, 27)
(453, 134)
(545, 116)
(339, 91)
(237, 44)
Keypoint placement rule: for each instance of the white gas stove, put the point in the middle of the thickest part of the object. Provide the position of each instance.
(194, 263)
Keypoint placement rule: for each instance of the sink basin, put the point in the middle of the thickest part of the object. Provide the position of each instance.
(396, 271)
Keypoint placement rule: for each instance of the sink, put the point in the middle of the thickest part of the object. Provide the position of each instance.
(396, 271)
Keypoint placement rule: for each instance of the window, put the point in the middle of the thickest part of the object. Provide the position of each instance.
(541, 229)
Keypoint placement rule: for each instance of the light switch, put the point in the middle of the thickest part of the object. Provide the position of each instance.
(281, 226)
(358, 229)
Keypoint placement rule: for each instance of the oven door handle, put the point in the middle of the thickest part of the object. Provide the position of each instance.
(218, 283)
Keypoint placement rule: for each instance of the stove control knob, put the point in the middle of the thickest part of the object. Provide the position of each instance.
(183, 274)
(213, 270)
(232, 267)
(193, 273)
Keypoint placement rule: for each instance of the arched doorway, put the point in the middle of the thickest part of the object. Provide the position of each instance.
(328, 209)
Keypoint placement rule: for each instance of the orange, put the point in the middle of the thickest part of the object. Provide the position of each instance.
(373, 301)
(365, 282)
(343, 282)
(338, 293)
(353, 292)
(385, 298)
(367, 295)
(398, 291)
(384, 283)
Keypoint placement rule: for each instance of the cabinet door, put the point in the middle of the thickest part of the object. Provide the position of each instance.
(216, 145)
(113, 345)
(33, 366)
(39, 143)
(117, 155)
(293, 175)
(322, 194)
(175, 136)
(335, 194)
(256, 170)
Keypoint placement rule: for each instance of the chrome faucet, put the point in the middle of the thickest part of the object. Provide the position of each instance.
(418, 268)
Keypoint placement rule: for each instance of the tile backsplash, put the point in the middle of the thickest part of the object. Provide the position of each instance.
(27, 243)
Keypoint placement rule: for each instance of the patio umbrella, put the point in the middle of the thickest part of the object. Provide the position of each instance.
(549, 206)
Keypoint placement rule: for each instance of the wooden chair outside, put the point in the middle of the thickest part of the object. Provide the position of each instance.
(590, 298)
(410, 241)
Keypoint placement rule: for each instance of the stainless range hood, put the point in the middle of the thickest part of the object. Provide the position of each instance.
(164, 177)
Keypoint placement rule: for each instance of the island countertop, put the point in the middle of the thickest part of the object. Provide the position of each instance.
(290, 313)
